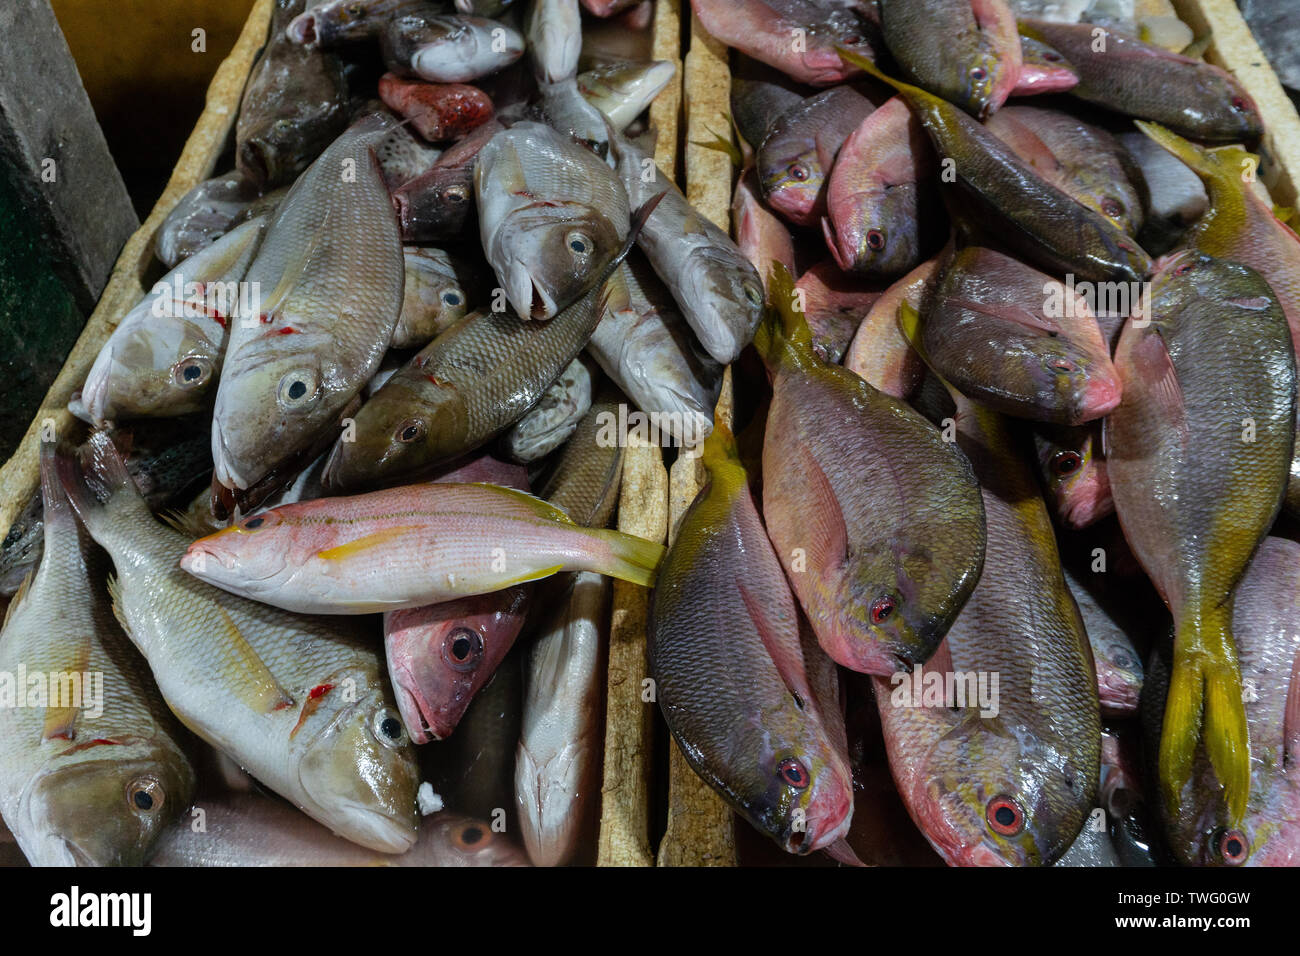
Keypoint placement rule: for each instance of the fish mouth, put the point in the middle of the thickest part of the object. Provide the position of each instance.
(423, 722)
(222, 470)
(374, 828)
(526, 295)
(302, 30)
(94, 393)
(1101, 395)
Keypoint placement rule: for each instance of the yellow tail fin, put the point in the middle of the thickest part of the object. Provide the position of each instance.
(633, 559)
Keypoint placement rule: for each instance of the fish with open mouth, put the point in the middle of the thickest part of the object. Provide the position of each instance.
(448, 48)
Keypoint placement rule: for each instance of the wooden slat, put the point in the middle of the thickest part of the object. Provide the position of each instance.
(20, 474)
(642, 510)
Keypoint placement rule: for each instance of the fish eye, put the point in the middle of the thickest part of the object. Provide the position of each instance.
(470, 836)
(1185, 268)
(145, 794)
(1004, 816)
(799, 172)
(1239, 104)
(1111, 207)
(298, 388)
(978, 73)
(252, 524)
(411, 430)
(793, 772)
(388, 728)
(1060, 365)
(1120, 657)
(356, 10)
(1232, 846)
(754, 293)
(881, 609)
(452, 298)
(463, 649)
(875, 240)
(191, 371)
(1051, 56)
(457, 193)
(1066, 463)
(578, 243)
(852, 40)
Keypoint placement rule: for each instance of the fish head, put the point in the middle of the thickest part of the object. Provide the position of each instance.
(792, 178)
(167, 368)
(270, 407)
(396, 435)
(549, 255)
(436, 204)
(252, 558)
(336, 21)
(463, 841)
(1073, 470)
(434, 297)
(274, 149)
(975, 86)
(993, 794)
(1119, 676)
(1062, 380)
(467, 49)
(106, 811)
(357, 763)
(879, 236)
(728, 298)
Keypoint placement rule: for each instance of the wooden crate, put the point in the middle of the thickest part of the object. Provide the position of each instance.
(700, 830)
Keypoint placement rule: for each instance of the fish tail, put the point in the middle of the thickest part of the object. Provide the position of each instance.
(630, 558)
(97, 482)
(783, 326)
(1205, 704)
(720, 447)
(1207, 163)
(914, 94)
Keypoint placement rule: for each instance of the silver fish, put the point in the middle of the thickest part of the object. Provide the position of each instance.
(548, 424)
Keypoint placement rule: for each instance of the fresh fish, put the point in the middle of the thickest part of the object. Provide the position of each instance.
(1043, 70)
(165, 355)
(1083, 161)
(464, 388)
(718, 291)
(569, 112)
(798, 37)
(376, 553)
(1008, 779)
(301, 703)
(623, 91)
(403, 156)
(1017, 340)
(996, 191)
(93, 764)
(795, 158)
(438, 111)
(202, 216)
(554, 34)
(557, 765)
(330, 273)
(548, 424)
(882, 556)
(1119, 669)
(1122, 73)
(879, 351)
(448, 48)
(438, 291)
(1072, 467)
(742, 708)
(1180, 463)
(437, 203)
(1266, 627)
(835, 306)
(336, 22)
(882, 205)
(249, 829)
(584, 480)
(1092, 847)
(967, 51)
(295, 103)
(1173, 197)
(759, 94)
(761, 237)
(551, 217)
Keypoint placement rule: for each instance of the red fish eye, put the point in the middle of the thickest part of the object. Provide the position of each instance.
(799, 172)
(1052, 57)
(463, 648)
(1005, 816)
(1111, 207)
(1182, 270)
(978, 73)
(852, 39)
(1062, 365)
(881, 608)
(793, 773)
(1233, 847)
(875, 240)
(1239, 104)
(1066, 463)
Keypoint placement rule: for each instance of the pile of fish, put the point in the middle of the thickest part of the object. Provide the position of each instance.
(321, 576)
(1020, 416)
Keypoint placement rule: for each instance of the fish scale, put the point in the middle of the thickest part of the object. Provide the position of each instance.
(62, 793)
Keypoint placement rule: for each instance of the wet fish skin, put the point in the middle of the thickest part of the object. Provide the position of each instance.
(1012, 788)
(882, 564)
(294, 105)
(560, 744)
(1119, 668)
(403, 156)
(249, 829)
(835, 306)
(994, 190)
(765, 29)
(438, 291)
(335, 22)
(452, 48)
(716, 288)
(376, 553)
(761, 236)
(623, 91)
(1072, 468)
(549, 423)
(1191, 97)
(300, 702)
(882, 206)
(438, 111)
(1017, 340)
(551, 217)
(554, 32)
(759, 94)
(81, 788)
(1177, 437)
(1043, 70)
(437, 203)
(1172, 195)
(742, 709)
(202, 216)
(795, 158)
(165, 355)
(568, 111)
(879, 352)
(331, 274)
(584, 480)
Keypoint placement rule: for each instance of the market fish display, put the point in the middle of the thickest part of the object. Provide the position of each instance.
(92, 765)
(301, 703)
